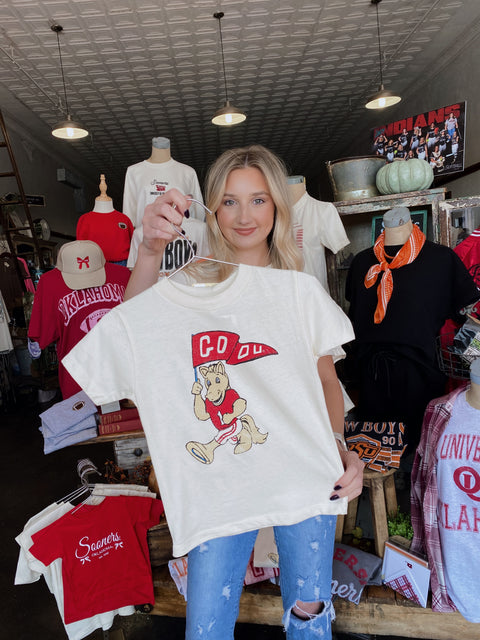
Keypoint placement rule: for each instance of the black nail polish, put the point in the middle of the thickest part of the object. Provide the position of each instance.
(338, 487)
(334, 497)
(187, 214)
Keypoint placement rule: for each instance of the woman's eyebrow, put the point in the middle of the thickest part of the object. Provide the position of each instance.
(255, 193)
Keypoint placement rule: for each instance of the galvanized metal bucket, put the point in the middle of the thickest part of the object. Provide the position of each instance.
(354, 178)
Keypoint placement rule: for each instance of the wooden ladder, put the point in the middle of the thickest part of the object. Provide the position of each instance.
(6, 221)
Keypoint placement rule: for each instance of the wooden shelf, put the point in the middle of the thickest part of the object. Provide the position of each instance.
(381, 611)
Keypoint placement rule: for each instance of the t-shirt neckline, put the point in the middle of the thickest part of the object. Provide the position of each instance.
(210, 296)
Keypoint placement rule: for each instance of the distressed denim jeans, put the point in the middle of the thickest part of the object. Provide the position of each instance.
(216, 570)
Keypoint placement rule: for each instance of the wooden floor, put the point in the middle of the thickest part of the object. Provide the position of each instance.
(381, 612)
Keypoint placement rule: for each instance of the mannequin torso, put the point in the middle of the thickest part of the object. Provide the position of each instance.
(296, 188)
(398, 235)
(160, 150)
(159, 155)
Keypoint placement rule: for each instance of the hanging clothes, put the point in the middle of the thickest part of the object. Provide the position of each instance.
(30, 569)
(65, 315)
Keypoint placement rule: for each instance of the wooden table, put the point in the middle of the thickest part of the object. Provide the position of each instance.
(381, 611)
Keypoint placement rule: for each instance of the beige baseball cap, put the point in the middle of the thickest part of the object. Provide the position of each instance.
(82, 264)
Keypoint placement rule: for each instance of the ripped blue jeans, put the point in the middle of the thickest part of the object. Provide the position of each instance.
(216, 570)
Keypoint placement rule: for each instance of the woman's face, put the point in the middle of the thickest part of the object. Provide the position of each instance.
(246, 215)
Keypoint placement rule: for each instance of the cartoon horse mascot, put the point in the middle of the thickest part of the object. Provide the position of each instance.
(224, 407)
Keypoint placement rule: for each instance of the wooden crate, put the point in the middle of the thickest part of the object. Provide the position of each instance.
(381, 611)
(130, 452)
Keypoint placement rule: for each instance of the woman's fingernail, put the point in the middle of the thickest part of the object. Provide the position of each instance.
(338, 487)
(187, 214)
(334, 497)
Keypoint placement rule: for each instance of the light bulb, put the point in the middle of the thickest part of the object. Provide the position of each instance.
(70, 132)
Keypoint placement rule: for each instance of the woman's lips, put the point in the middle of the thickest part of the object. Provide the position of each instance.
(245, 232)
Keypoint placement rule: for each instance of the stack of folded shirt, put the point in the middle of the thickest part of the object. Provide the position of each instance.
(68, 422)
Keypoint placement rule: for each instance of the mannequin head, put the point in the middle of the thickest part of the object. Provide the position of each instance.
(161, 143)
(396, 217)
(473, 392)
(398, 226)
(103, 203)
(475, 371)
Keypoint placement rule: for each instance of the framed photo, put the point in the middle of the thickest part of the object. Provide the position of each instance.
(436, 136)
(418, 217)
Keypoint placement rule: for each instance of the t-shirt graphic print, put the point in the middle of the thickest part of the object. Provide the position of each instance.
(221, 404)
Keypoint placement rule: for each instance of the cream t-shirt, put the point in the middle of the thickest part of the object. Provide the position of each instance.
(252, 342)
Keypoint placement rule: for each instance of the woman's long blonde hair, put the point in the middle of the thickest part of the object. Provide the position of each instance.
(284, 253)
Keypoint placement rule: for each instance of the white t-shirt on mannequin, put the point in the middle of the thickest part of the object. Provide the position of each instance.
(259, 333)
(317, 225)
(147, 180)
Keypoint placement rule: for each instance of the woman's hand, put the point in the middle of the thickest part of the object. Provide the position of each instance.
(165, 211)
(350, 484)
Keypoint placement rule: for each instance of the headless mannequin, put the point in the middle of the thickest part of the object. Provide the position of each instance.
(398, 226)
(103, 203)
(296, 188)
(160, 150)
(472, 394)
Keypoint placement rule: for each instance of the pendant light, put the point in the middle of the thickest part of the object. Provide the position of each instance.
(66, 129)
(228, 114)
(382, 98)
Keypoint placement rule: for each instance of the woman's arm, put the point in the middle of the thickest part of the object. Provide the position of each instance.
(351, 482)
(165, 211)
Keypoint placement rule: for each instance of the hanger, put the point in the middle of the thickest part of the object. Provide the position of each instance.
(193, 256)
(84, 467)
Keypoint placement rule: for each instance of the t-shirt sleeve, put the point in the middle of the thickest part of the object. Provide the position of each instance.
(333, 235)
(82, 231)
(326, 325)
(42, 327)
(129, 206)
(464, 289)
(102, 363)
(134, 244)
(46, 543)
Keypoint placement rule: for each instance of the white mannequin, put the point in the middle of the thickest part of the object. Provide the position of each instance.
(472, 394)
(160, 150)
(398, 226)
(296, 188)
(103, 203)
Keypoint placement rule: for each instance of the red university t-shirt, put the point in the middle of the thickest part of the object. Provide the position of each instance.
(104, 552)
(65, 315)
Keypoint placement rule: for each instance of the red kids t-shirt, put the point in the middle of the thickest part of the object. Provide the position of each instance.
(104, 552)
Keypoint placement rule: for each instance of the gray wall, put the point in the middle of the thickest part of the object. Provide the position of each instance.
(449, 83)
(38, 156)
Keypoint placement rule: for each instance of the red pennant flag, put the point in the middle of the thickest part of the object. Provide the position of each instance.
(246, 351)
(224, 345)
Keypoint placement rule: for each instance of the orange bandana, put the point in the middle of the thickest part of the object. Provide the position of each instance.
(406, 255)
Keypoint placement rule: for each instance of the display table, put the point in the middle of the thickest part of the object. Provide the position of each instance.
(381, 611)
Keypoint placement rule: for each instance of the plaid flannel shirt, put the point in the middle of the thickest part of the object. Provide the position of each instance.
(424, 496)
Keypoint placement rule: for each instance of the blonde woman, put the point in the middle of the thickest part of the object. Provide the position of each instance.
(246, 189)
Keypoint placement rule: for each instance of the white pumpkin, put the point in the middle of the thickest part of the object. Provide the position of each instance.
(401, 176)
